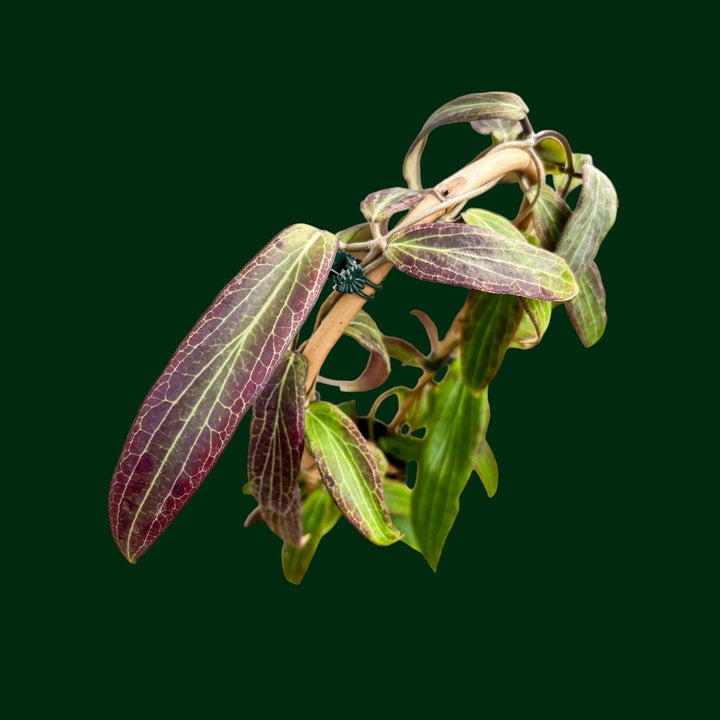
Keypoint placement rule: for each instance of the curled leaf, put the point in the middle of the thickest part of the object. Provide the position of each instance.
(277, 438)
(477, 108)
(549, 215)
(591, 220)
(212, 379)
(480, 259)
(381, 205)
(349, 470)
(363, 329)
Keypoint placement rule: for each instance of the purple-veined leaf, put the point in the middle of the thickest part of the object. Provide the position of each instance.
(210, 382)
(381, 205)
(363, 329)
(492, 322)
(549, 215)
(591, 220)
(319, 515)
(587, 309)
(473, 108)
(349, 470)
(533, 323)
(456, 423)
(277, 438)
(480, 259)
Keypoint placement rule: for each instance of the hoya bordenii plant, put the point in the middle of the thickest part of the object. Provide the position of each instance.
(311, 462)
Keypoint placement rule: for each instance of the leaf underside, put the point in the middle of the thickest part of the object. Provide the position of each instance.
(211, 381)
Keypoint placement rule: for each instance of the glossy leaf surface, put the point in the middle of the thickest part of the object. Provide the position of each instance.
(277, 438)
(474, 108)
(456, 422)
(492, 322)
(319, 516)
(480, 259)
(349, 470)
(212, 379)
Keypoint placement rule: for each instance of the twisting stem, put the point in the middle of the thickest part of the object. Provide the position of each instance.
(481, 172)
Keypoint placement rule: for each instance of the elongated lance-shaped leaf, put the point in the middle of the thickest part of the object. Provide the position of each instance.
(349, 470)
(364, 329)
(319, 515)
(480, 259)
(492, 322)
(212, 379)
(591, 220)
(277, 438)
(472, 108)
(456, 424)
(549, 215)
(381, 205)
(587, 309)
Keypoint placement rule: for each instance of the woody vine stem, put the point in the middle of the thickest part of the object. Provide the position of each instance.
(468, 182)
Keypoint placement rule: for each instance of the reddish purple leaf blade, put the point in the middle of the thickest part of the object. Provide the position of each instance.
(277, 438)
(480, 258)
(212, 379)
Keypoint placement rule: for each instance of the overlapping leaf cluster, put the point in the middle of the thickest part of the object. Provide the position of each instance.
(312, 462)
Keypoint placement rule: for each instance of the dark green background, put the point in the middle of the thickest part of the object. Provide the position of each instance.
(158, 153)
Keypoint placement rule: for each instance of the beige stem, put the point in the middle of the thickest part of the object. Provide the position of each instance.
(482, 171)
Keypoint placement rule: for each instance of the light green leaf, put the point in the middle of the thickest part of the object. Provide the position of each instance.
(349, 470)
(456, 424)
(319, 515)
(397, 497)
(494, 222)
(485, 465)
(587, 309)
(590, 222)
(533, 323)
(491, 325)
(480, 259)
(472, 108)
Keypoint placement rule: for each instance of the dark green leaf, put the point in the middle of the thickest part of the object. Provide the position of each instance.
(277, 438)
(480, 259)
(491, 325)
(456, 423)
(477, 108)
(587, 309)
(349, 470)
(213, 378)
(319, 515)
(590, 222)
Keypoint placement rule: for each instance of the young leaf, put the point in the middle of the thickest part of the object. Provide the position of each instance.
(590, 222)
(277, 438)
(397, 496)
(403, 351)
(349, 470)
(491, 325)
(363, 329)
(534, 322)
(587, 309)
(319, 515)
(456, 424)
(485, 465)
(212, 379)
(380, 206)
(480, 259)
(473, 108)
